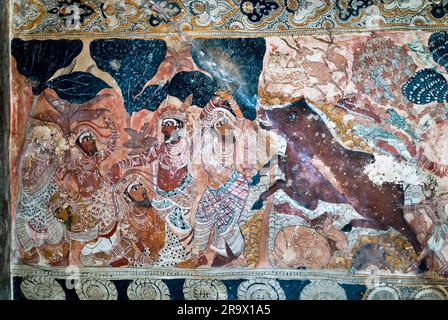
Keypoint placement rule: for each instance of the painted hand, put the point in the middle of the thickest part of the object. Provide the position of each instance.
(114, 173)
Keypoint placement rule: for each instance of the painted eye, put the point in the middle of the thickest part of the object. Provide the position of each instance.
(292, 116)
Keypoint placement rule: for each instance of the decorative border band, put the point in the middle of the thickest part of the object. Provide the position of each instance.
(206, 273)
(233, 33)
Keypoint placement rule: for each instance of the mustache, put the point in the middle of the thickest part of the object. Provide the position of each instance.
(92, 152)
(145, 203)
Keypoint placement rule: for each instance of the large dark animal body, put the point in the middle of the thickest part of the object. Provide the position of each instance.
(318, 167)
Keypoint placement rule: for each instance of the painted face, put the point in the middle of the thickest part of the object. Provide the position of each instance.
(139, 195)
(169, 128)
(42, 146)
(87, 143)
(64, 214)
(223, 127)
(137, 192)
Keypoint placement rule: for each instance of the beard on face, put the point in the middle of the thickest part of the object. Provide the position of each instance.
(92, 152)
(89, 153)
(145, 203)
(166, 136)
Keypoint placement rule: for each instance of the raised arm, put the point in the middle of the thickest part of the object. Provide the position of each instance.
(233, 106)
(141, 160)
(112, 141)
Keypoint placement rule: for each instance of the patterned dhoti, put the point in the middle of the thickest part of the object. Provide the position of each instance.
(219, 211)
(35, 225)
(175, 207)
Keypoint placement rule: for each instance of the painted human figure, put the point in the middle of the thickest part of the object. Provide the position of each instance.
(221, 204)
(79, 171)
(437, 239)
(176, 189)
(35, 225)
(145, 240)
(142, 231)
(93, 190)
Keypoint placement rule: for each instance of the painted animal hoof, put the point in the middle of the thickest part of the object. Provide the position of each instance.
(351, 271)
(258, 205)
(347, 228)
(255, 179)
(422, 267)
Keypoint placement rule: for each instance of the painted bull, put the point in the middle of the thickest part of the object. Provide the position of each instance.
(318, 167)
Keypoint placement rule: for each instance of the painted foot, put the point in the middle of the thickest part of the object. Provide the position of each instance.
(347, 228)
(256, 179)
(422, 267)
(258, 205)
(193, 263)
(120, 263)
(220, 261)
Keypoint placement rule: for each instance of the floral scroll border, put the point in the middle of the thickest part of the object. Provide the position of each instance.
(289, 18)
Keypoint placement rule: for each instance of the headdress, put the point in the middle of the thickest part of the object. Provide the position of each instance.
(66, 114)
(173, 108)
(212, 117)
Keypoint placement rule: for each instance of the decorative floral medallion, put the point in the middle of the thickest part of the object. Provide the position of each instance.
(205, 290)
(73, 13)
(42, 288)
(161, 12)
(94, 289)
(383, 293)
(304, 11)
(148, 290)
(350, 9)
(261, 289)
(27, 14)
(256, 10)
(120, 13)
(430, 294)
(323, 290)
(210, 12)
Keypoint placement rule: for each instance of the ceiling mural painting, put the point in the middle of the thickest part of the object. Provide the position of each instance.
(253, 149)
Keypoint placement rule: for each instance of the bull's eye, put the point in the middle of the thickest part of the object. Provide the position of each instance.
(292, 116)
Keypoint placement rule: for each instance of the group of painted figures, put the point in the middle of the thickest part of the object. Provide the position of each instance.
(147, 209)
(181, 186)
(175, 190)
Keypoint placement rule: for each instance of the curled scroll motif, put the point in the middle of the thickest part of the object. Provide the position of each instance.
(323, 290)
(93, 289)
(148, 290)
(261, 289)
(42, 288)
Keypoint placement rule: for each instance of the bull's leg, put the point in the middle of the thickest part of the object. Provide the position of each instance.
(279, 184)
(403, 227)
